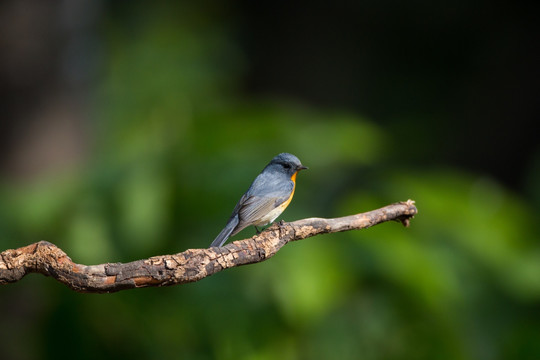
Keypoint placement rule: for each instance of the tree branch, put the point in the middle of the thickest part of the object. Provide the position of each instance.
(188, 266)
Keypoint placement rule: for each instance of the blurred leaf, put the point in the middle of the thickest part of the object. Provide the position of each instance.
(87, 234)
(142, 198)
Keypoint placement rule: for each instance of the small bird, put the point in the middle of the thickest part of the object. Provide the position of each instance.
(269, 194)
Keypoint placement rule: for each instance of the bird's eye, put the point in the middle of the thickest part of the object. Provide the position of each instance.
(287, 166)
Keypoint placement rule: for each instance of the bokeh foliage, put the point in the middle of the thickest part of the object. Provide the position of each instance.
(173, 148)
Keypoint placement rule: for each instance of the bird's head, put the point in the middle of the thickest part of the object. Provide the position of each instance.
(287, 163)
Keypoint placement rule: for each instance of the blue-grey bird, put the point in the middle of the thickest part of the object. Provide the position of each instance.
(267, 197)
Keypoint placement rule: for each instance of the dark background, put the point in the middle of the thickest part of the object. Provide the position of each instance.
(465, 70)
(130, 129)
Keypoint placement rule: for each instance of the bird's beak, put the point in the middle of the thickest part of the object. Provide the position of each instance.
(302, 167)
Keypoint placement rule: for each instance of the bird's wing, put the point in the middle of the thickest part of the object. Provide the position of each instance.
(264, 195)
(256, 207)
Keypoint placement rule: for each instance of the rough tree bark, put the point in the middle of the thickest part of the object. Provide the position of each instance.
(188, 266)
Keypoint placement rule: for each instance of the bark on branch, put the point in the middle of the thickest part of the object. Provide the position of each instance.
(188, 266)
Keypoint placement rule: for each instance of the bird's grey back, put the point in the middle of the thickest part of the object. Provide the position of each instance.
(271, 182)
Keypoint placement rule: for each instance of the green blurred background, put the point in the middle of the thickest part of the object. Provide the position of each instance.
(130, 129)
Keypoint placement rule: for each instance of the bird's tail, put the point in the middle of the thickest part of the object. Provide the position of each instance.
(226, 232)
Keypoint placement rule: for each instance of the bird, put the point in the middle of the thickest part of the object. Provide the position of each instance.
(267, 197)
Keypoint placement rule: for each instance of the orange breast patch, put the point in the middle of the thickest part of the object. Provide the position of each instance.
(286, 203)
